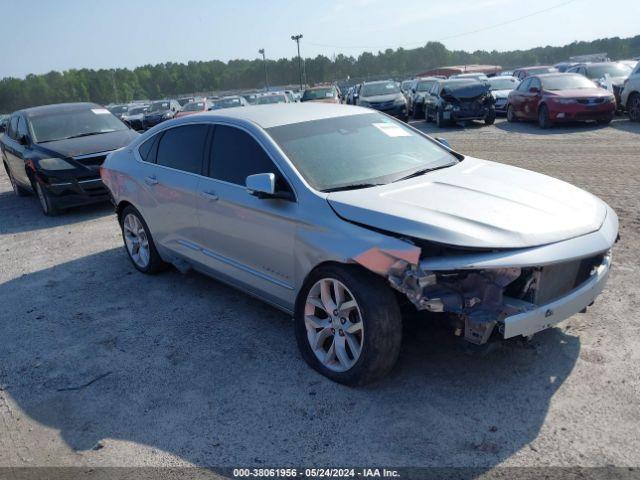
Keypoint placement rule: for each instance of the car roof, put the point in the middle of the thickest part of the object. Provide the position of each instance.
(275, 115)
(533, 67)
(376, 81)
(57, 107)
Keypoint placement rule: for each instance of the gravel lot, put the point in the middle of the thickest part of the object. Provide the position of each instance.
(191, 372)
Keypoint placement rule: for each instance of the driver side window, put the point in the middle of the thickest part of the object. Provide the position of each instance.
(235, 155)
(524, 86)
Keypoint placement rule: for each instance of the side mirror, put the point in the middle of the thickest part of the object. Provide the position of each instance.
(444, 142)
(3, 128)
(413, 90)
(23, 140)
(535, 90)
(263, 185)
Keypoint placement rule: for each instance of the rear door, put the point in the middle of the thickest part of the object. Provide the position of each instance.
(517, 98)
(170, 177)
(247, 239)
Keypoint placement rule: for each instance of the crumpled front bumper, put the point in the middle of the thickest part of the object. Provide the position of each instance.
(545, 316)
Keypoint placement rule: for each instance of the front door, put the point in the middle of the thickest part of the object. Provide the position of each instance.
(248, 239)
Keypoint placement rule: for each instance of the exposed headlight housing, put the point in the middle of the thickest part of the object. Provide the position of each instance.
(400, 101)
(55, 163)
(168, 115)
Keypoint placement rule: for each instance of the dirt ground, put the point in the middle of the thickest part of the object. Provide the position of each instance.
(187, 371)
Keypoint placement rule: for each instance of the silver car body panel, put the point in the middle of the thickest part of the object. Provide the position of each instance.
(503, 218)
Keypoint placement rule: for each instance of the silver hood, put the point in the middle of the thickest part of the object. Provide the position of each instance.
(477, 204)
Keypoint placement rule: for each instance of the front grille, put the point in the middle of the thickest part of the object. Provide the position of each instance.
(383, 105)
(591, 101)
(559, 279)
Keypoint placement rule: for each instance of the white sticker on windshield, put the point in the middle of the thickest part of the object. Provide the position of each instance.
(100, 111)
(391, 130)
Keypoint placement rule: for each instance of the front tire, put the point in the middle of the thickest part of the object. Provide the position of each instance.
(543, 117)
(138, 242)
(47, 202)
(490, 118)
(440, 122)
(633, 107)
(511, 114)
(348, 324)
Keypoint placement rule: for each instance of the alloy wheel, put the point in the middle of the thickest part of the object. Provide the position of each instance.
(136, 241)
(333, 321)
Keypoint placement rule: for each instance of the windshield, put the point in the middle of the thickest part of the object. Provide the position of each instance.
(137, 110)
(566, 82)
(62, 125)
(158, 107)
(118, 109)
(497, 83)
(267, 99)
(538, 71)
(425, 85)
(382, 88)
(226, 103)
(318, 94)
(357, 149)
(193, 107)
(613, 69)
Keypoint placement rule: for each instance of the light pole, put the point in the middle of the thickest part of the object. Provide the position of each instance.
(297, 38)
(264, 60)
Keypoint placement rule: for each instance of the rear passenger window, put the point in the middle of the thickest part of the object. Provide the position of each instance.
(182, 148)
(235, 155)
(147, 151)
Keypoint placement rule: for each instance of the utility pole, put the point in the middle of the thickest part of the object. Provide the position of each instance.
(266, 78)
(297, 38)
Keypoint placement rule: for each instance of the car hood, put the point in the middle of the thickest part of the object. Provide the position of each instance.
(476, 204)
(501, 93)
(469, 91)
(382, 98)
(579, 92)
(104, 142)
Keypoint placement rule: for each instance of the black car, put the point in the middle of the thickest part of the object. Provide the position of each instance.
(384, 96)
(118, 110)
(160, 111)
(56, 151)
(416, 94)
(460, 100)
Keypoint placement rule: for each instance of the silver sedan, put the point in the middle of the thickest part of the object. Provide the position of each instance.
(342, 215)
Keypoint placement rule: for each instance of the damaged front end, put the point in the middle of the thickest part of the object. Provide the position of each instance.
(519, 300)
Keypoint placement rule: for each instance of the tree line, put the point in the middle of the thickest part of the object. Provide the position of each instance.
(170, 79)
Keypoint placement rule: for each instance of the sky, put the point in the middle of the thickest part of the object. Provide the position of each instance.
(44, 35)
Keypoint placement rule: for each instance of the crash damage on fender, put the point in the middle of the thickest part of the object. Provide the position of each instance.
(513, 276)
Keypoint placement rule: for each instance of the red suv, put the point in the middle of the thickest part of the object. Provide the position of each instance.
(560, 97)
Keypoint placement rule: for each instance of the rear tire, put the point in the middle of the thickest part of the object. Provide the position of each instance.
(633, 107)
(417, 113)
(138, 242)
(372, 324)
(47, 202)
(17, 189)
(440, 122)
(543, 117)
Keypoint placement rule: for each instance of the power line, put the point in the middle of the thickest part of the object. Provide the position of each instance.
(470, 32)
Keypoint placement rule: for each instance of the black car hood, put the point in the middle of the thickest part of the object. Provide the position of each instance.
(157, 113)
(468, 91)
(383, 98)
(103, 142)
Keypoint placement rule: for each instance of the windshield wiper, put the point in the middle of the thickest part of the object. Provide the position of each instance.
(88, 134)
(354, 186)
(422, 171)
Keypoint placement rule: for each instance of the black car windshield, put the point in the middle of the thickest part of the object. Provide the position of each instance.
(193, 107)
(425, 85)
(50, 126)
(318, 94)
(226, 103)
(267, 99)
(158, 107)
(504, 83)
(355, 150)
(118, 109)
(566, 81)
(613, 69)
(382, 88)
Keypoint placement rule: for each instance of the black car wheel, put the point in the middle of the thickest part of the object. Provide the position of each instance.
(417, 112)
(511, 115)
(543, 117)
(47, 202)
(440, 121)
(633, 107)
(490, 117)
(348, 324)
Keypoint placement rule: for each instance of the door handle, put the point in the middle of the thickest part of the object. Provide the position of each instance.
(211, 196)
(152, 180)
